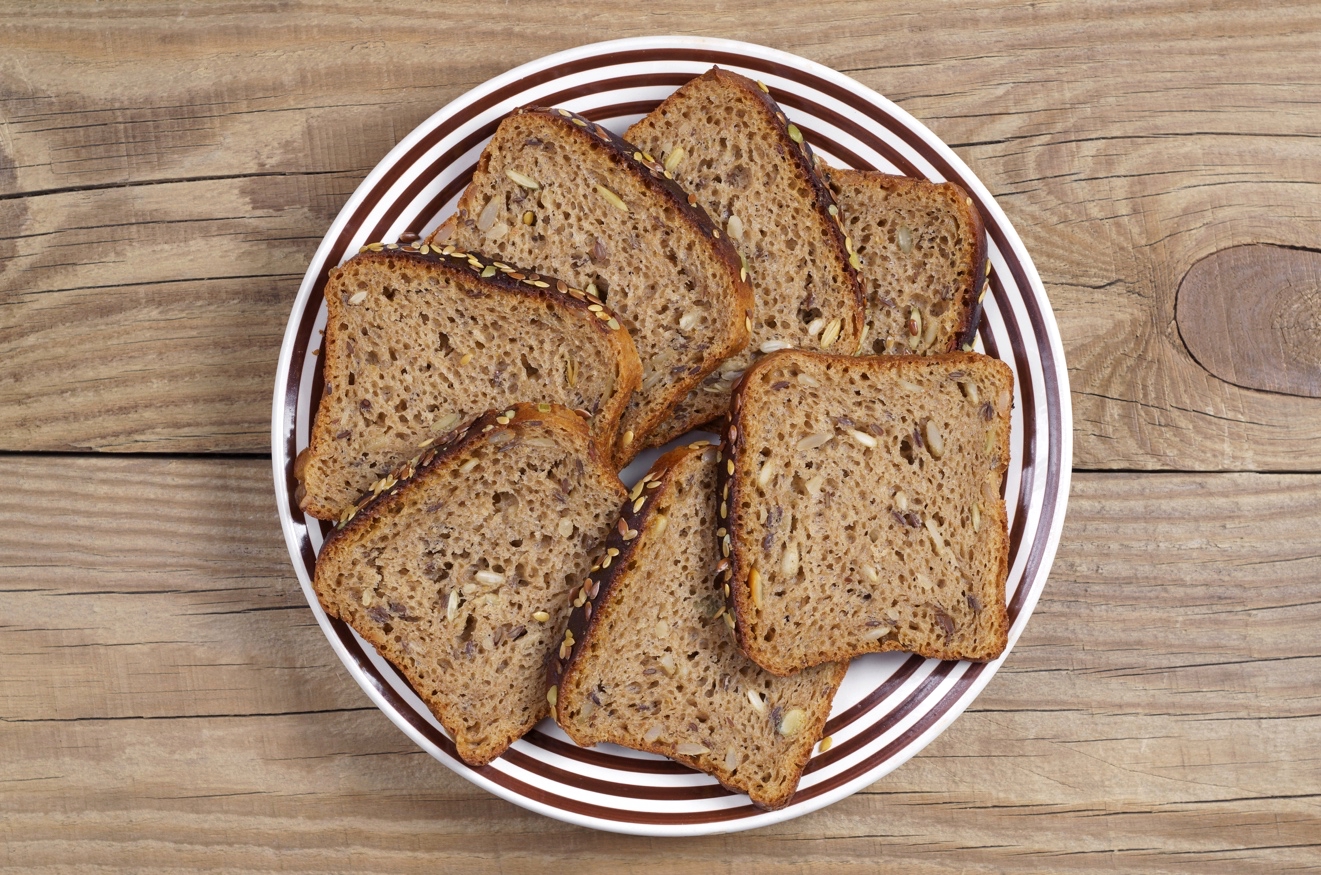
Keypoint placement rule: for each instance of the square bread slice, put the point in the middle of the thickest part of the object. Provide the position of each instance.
(458, 568)
(649, 659)
(563, 195)
(418, 342)
(923, 251)
(726, 140)
(864, 507)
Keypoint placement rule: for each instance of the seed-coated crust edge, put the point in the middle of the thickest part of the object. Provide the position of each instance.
(412, 476)
(731, 450)
(823, 201)
(585, 619)
(467, 267)
(970, 297)
(629, 159)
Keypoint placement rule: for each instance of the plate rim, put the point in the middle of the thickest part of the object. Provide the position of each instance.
(1058, 469)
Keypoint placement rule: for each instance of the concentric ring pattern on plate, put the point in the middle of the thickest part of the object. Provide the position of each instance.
(890, 705)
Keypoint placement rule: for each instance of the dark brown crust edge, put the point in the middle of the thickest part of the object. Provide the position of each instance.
(593, 602)
(408, 477)
(629, 159)
(980, 269)
(736, 575)
(969, 216)
(505, 278)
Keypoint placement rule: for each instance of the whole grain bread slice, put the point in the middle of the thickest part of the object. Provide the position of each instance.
(649, 659)
(923, 251)
(864, 507)
(726, 141)
(458, 567)
(418, 342)
(565, 196)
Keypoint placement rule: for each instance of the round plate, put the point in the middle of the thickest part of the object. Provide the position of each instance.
(890, 705)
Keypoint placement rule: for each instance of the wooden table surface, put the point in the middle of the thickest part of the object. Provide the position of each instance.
(167, 701)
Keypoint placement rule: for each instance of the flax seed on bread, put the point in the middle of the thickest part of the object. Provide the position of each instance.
(726, 140)
(862, 499)
(650, 662)
(562, 195)
(418, 342)
(458, 567)
(923, 251)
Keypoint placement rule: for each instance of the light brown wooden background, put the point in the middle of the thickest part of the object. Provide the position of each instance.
(166, 700)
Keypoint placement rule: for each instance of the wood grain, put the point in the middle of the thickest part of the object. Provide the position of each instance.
(1251, 315)
(166, 171)
(168, 704)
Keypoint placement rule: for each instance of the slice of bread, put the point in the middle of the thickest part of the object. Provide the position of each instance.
(556, 192)
(418, 342)
(864, 507)
(649, 660)
(726, 140)
(458, 567)
(923, 251)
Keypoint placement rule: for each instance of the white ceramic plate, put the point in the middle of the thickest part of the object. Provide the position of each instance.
(890, 706)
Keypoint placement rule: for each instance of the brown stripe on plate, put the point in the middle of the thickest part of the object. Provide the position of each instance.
(897, 745)
(591, 756)
(613, 788)
(887, 721)
(875, 697)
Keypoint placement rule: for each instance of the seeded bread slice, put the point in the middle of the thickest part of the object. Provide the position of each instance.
(418, 342)
(458, 567)
(554, 191)
(864, 507)
(923, 251)
(649, 662)
(727, 141)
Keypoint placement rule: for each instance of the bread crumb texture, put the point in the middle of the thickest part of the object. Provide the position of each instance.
(867, 512)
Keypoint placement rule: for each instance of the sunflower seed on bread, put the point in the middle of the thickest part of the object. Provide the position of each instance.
(651, 662)
(419, 341)
(563, 195)
(457, 568)
(863, 507)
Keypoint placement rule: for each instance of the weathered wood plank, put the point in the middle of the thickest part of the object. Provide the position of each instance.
(167, 703)
(1126, 144)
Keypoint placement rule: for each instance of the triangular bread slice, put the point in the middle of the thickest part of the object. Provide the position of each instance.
(923, 251)
(649, 659)
(864, 507)
(726, 140)
(458, 567)
(563, 195)
(418, 341)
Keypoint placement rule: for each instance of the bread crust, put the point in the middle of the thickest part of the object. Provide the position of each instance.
(804, 162)
(981, 269)
(410, 476)
(732, 458)
(593, 605)
(627, 158)
(468, 268)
